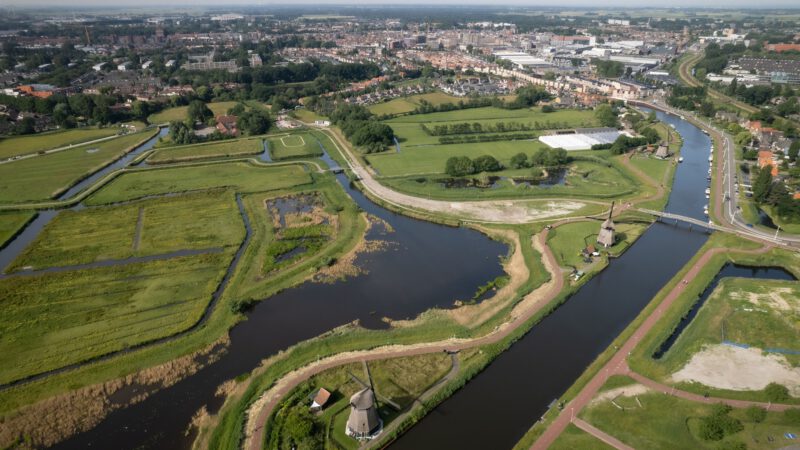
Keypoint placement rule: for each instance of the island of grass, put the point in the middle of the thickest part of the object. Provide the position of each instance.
(573, 243)
(428, 141)
(12, 223)
(23, 145)
(218, 149)
(44, 177)
(397, 383)
(296, 145)
(642, 418)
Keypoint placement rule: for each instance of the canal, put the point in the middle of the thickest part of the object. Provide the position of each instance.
(497, 407)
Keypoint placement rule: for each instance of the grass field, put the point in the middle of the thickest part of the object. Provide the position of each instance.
(400, 380)
(407, 104)
(410, 133)
(179, 112)
(238, 147)
(194, 221)
(568, 240)
(666, 422)
(583, 178)
(21, 145)
(574, 438)
(306, 115)
(241, 176)
(11, 223)
(53, 320)
(43, 177)
(759, 313)
(299, 145)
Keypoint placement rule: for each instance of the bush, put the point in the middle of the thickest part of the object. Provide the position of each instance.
(719, 424)
(548, 109)
(755, 414)
(457, 166)
(776, 392)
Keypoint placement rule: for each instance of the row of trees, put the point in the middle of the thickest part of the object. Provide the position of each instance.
(361, 128)
(458, 166)
(495, 127)
(527, 97)
(470, 138)
(544, 157)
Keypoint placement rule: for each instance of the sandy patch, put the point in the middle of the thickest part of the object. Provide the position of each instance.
(739, 369)
(624, 391)
(778, 299)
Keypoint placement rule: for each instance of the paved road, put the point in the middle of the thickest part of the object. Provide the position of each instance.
(618, 364)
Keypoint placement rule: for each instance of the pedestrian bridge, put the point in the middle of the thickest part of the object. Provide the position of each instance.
(685, 219)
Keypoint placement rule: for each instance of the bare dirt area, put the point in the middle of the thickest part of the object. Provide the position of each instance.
(624, 391)
(739, 369)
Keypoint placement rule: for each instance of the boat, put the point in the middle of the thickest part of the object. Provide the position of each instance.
(680, 160)
(711, 158)
(708, 191)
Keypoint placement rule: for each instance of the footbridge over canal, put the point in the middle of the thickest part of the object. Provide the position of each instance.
(690, 220)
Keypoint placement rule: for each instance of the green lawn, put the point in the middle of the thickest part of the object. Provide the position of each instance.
(44, 177)
(226, 148)
(666, 422)
(573, 438)
(568, 240)
(403, 105)
(195, 221)
(584, 178)
(759, 313)
(179, 112)
(53, 320)
(653, 167)
(11, 223)
(306, 115)
(21, 145)
(298, 145)
(432, 159)
(400, 380)
(241, 176)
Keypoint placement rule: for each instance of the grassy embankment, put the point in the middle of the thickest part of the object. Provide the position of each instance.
(660, 171)
(666, 422)
(23, 145)
(298, 145)
(217, 149)
(178, 113)
(12, 223)
(44, 177)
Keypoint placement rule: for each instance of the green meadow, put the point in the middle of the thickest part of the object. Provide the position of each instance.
(22, 145)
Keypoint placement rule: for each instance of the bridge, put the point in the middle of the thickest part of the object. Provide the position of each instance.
(690, 220)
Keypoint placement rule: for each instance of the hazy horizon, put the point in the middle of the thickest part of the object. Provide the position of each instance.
(684, 4)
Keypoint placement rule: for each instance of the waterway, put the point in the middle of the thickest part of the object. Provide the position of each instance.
(497, 407)
(425, 266)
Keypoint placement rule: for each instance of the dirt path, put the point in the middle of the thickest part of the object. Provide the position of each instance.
(487, 211)
(260, 410)
(599, 434)
(618, 363)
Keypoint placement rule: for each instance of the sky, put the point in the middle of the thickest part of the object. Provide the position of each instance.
(560, 3)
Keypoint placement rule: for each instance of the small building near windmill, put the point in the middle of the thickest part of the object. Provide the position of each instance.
(364, 422)
(606, 235)
(662, 152)
(319, 399)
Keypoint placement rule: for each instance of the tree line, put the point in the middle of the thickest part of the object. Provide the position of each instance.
(496, 127)
(361, 128)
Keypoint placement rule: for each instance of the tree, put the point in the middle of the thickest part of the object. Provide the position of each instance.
(253, 122)
(775, 392)
(761, 187)
(487, 163)
(519, 161)
(198, 111)
(606, 116)
(179, 133)
(794, 150)
(548, 109)
(457, 166)
(755, 414)
(140, 110)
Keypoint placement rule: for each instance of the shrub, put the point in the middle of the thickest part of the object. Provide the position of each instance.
(755, 414)
(776, 392)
